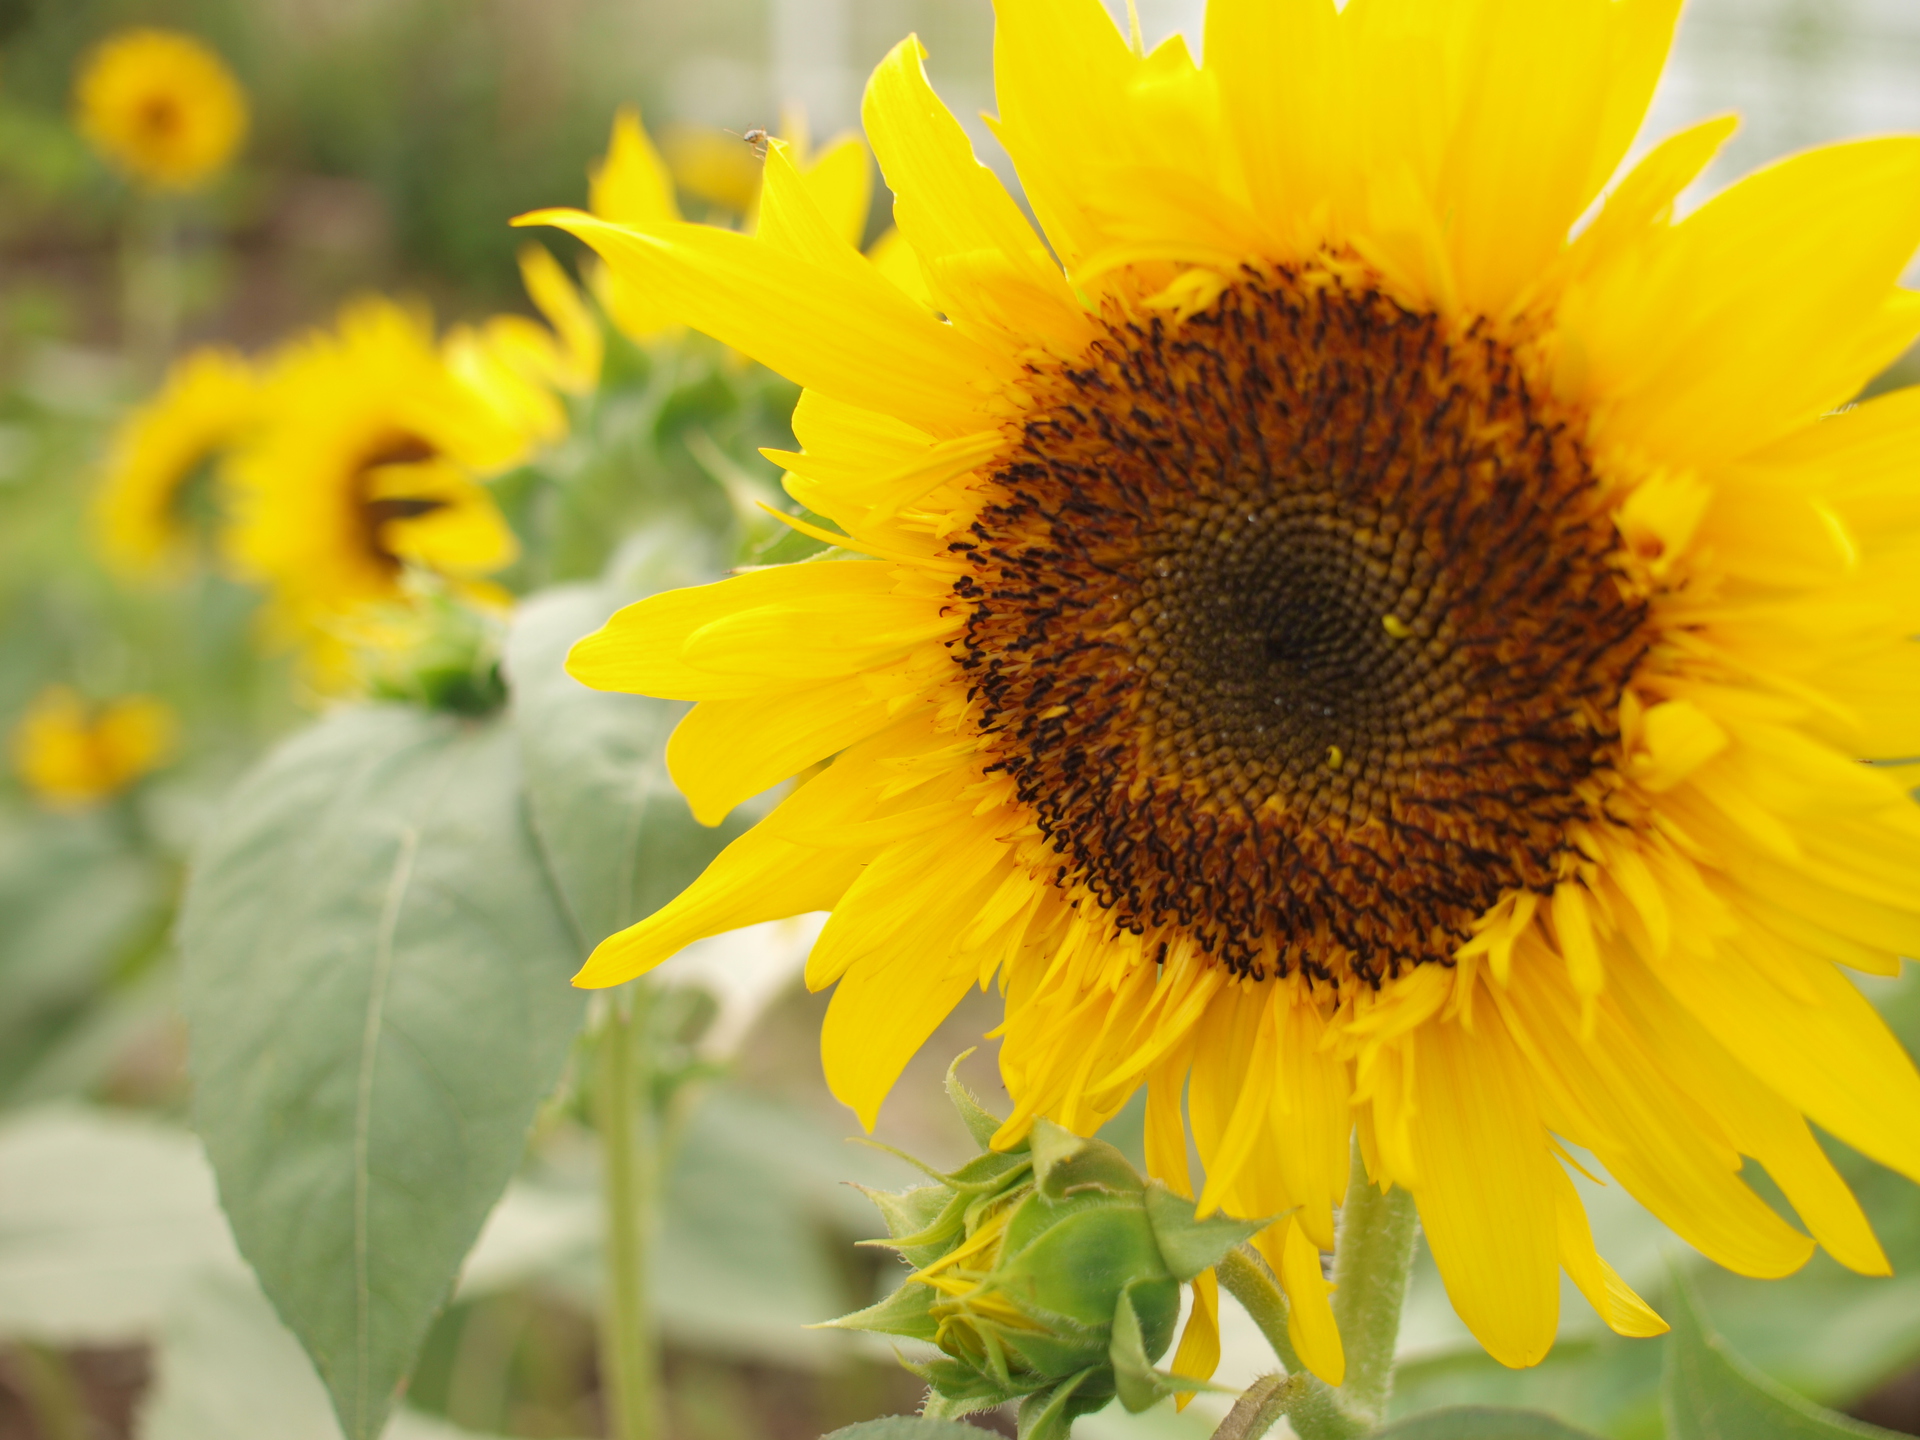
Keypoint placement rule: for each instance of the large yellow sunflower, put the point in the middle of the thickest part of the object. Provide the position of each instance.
(144, 512)
(1336, 644)
(368, 464)
(162, 107)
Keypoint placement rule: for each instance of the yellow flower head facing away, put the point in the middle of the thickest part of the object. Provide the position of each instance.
(1334, 647)
(157, 479)
(368, 465)
(162, 107)
(71, 754)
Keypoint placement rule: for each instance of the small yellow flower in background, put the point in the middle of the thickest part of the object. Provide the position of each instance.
(368, 464)
(70, 753)
(144, 513)
(1339, 651)
(162, 107)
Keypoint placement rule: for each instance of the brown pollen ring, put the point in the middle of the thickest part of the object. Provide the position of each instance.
(1297, 626)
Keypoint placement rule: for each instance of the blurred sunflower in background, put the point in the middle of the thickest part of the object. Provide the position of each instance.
(157, 496)
(1335, 650)
(369, 469)
(71, 754)
(161, 107)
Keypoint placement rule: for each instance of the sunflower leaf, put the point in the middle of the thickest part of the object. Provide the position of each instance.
(616, 833)
(906, 1427)
(1710, 1393)
(375, 989)
(1483, 1422)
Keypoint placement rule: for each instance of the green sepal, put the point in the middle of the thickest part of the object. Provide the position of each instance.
(1065, 1165)
(990, 1173)
(1188, 1245)
(1049, 1414)
(942, 1404)
(939, 1235)
(981, 1122)
(1063, 1348)
(1138, 1384)
(908, 1212)
(907, 1312)
(1074, 1264)
(958, 1383)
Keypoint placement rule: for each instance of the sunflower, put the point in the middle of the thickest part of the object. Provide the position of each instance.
(71, 754)
(145, 511)
(367, 468)
(162, 107)
(522, 367)
(1337, 647)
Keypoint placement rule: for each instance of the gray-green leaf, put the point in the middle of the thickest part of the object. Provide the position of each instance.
(618, 836)
(906, 1427)
(376, 990)
(1484, 1422)
(1712, 1394)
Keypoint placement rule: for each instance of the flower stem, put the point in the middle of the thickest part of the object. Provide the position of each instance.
(1372, 1265)
(623, 1112)
(1311, 1406)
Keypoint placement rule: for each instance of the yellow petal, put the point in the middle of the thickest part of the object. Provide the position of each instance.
(1060, 73)
(726, 751)
(950, 206)
(1310, 1322)
(758, 877)
(1485, 1190)
(641, 649)
(1199, 1353)
(840, 182)
(1625, 1312)
(847, 332)
(631, 186)
(1798, 259)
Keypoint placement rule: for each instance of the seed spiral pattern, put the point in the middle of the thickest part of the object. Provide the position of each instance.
(1297, 626)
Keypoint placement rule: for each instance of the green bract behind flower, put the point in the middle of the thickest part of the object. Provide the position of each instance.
(1048, 1273)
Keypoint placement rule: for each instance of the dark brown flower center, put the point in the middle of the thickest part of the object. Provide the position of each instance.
(1297, 626)
(374, 512)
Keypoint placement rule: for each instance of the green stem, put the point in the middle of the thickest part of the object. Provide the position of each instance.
(623, 1112)
(53, 1394)
(1372, 1265)
(1311, 1407)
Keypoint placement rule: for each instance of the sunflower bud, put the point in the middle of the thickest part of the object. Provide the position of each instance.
(1047, 1273)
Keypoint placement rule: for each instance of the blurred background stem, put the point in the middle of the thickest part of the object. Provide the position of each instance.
(629, 1132)
(150, 281)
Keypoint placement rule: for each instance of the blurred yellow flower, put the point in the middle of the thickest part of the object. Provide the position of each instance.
(713, 165)
(144, 513)
(162, 107)
(631, 186)
(70, 753)
(367, 466)
(516, 364)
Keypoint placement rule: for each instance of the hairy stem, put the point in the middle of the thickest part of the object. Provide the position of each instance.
(1371, 1267)
(623, 1113)
(1313, 1409)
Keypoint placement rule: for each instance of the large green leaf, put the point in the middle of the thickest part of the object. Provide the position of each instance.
(375, 986)
(104, 1218)
(619, 837)
(906, 1427)
(1483, 1422)
(1712, 1394)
